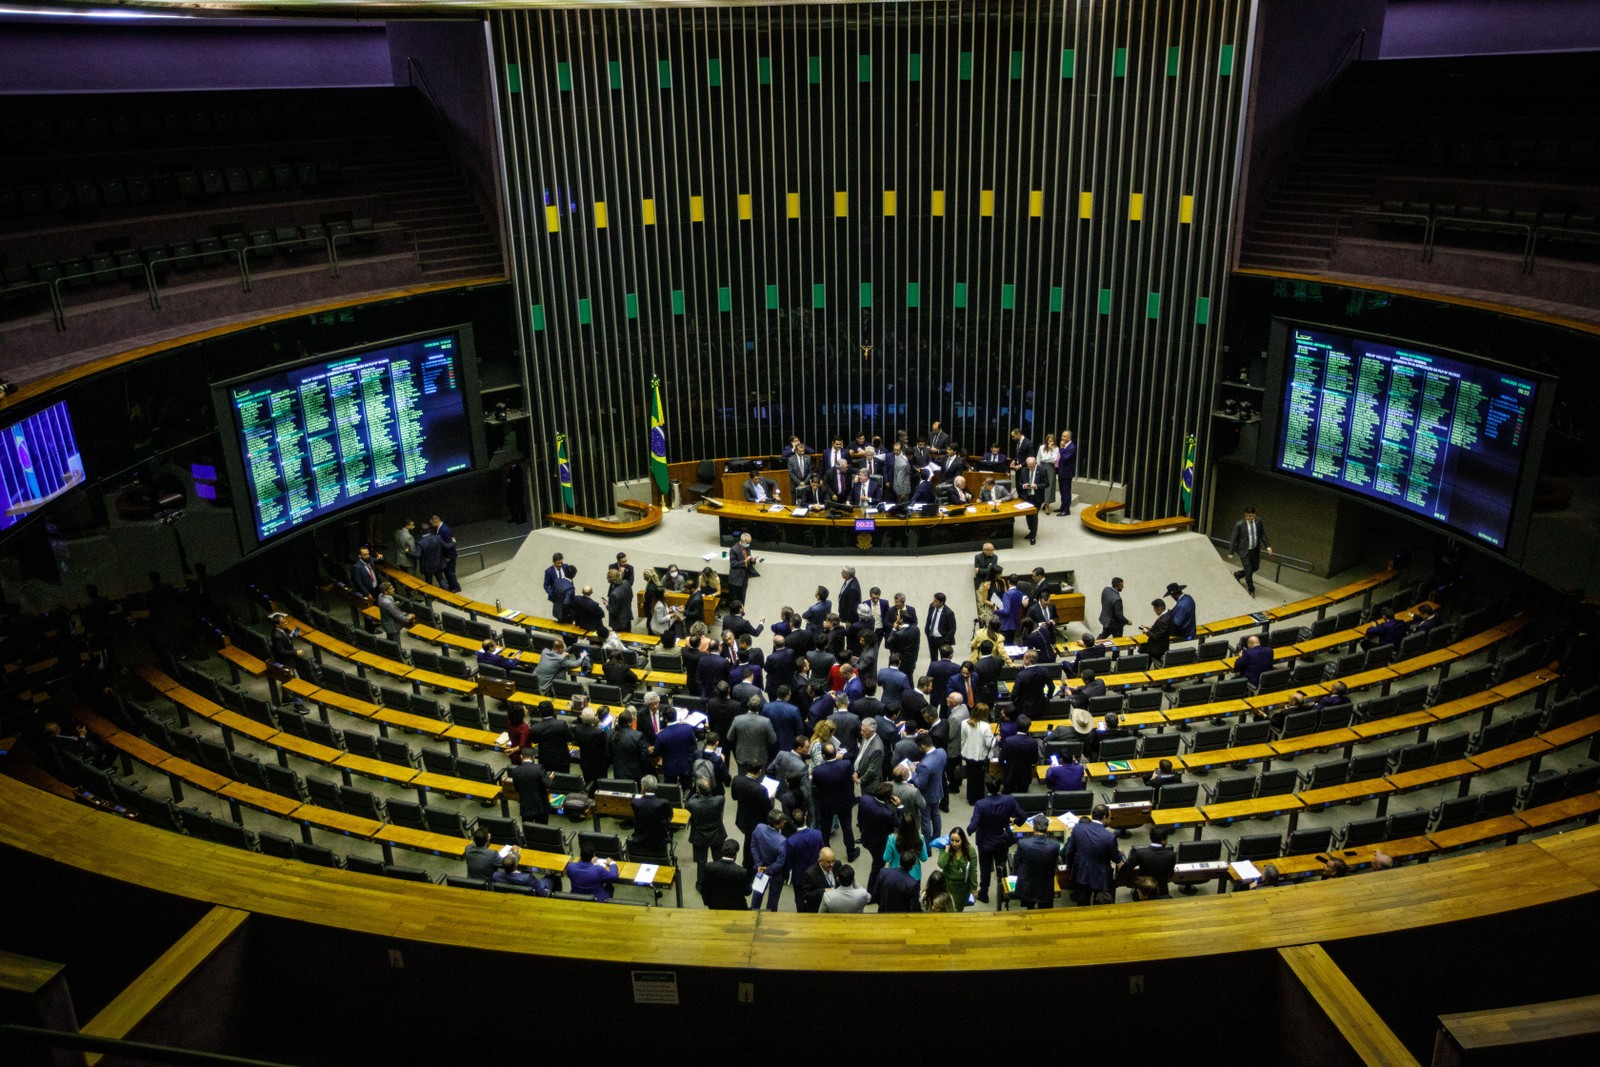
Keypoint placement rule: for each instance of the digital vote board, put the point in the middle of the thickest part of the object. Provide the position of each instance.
(1443, 437)
(348, 428)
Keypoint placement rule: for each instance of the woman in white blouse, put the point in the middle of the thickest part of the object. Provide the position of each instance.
(1048, 455)
(977, 738)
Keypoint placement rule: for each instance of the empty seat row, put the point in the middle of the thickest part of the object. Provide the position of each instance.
(182, 186)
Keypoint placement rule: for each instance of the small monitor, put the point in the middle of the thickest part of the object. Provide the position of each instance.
(866, 525)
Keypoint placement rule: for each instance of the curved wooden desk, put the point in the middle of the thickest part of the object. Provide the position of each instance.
(1548, 870)
(650, 518)
(1093, 517)
(959, 528)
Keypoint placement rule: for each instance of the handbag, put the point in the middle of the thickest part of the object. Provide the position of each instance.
(577, 806)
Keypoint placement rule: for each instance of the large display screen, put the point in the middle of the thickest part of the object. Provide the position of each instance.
(39, 461)
(349, 427)
(1442, 436)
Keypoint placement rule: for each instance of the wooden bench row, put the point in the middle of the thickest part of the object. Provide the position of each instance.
(477, 608)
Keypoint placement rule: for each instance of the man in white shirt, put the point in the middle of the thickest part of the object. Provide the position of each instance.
(845, 898)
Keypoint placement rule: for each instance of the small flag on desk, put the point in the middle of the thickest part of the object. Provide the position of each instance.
(658, 438)
(564, 471)
(1186, 479)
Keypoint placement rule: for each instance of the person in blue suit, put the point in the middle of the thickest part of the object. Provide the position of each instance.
(1091, 853)
(1182, 612)
(833, 788)
(990, 828)
(1254, 660)
(587, 878)
(929, 780)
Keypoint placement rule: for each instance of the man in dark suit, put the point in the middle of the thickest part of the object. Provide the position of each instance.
(938, 439)
(552, 735)
(815, 881)
(1113, 620)
(868, 764)
(800, 466)
(813, 493)
(1019, 754)
(1021, 449)
(833, 790)
(1163, 775)
(363, 575)
(1248, 541)
(587, 614)
(923, 493)
(1030, 487)
(759, 489)
(725, 883)
(448, 539)
(558, 584)
(944, 671)
(778, 667)
(952, 465)
(751, 803)
(533, 787)
(865, 489)
(896, 890)
(1253, 660)
(835, 454)
(676, 747)
(630, 754)
(736, 624)
(1035, 861)
(1158, 635)
(877, 816)
(990, 830)
(1090, 853)
(849, 598)
(940, 626)
(986, 672)
(1031, 688)
(1066, 470)
(1387, 631)
(1092, 687)
(836, 483)
(652, 822)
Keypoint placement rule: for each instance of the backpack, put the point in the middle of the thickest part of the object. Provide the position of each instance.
(704, 767)
(577, 806)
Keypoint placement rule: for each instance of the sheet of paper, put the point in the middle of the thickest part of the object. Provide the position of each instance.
(503, 740)
(917, 507)
(646, 875)
(972, 510)
(509, 613)
(776, 507)
(1023, 505)
(801, 511)
(505, 850)
(770, 785)
(1244, 870)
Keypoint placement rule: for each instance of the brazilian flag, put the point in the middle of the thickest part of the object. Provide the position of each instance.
(564, 471)
(658, 437)
(1186, 480)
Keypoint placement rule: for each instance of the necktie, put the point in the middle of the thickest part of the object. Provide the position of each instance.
(933, 622)
(1252, 528)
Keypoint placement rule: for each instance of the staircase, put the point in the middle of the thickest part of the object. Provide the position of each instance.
(410, 167)
(1333, 170)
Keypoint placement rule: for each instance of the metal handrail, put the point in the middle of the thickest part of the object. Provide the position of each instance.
(19, 1037)
(238, 253)
(1277, 559)
(416, 76)
(1589, 235)
(57, 316)
(149, 284)
(1427, 225)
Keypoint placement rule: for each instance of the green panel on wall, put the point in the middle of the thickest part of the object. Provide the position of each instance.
(1105, 301)
(536, 313)
(724, 298)
(664, 73)
(772, 298)
(814, 69)
(1202, 310)
(864, 68)
(585, 316)
(1016, 65)
(764, 70)
(1225, 63)
(1173, 54)
(914, 67)
(714, 72)
(866, 294)
(1056, 299)
(677, 301)
(819, 295)
(614, 70)
(1152, 306)
(1069, 62)
(630, 305)
(1008, 297)
(913, 294)
(958, 295)
(513, 77)
(564, 77)
(1119, 63)
(965, 66)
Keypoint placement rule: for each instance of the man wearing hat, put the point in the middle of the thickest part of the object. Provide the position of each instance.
(1182, 612)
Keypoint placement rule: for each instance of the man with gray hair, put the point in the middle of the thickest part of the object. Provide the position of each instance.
(849, 599)
(869, 760)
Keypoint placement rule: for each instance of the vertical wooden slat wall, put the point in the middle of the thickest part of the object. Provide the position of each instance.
(824, 219)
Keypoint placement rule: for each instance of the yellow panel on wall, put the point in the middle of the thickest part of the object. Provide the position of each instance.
(552, 218)
(1135, 207)
(697, 209)
(647, 212)
(841, 204)
(889, 202)
(986, 202)
(600, 214)
(1186, 209)
(937, 207)
(744, 207)
(794, 205)
(1086, 205)
(1036, 204)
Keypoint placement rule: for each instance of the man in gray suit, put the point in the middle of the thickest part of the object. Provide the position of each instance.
(1112, 617)
(900, 473)
(801, 467)
(869, 760)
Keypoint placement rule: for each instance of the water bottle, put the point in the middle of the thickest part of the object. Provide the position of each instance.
(497, 603)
